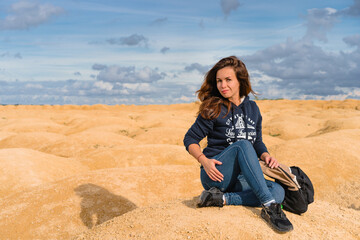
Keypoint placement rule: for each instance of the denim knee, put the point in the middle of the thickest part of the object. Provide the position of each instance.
(277, 191)
(207, 183)
(243, 143)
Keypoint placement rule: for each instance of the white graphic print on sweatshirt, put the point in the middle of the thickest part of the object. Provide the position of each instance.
(240, 129)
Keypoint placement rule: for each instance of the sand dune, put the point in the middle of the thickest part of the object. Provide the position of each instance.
(31, 125)
(76, 145)
(136, 155)
(23, 168)
(300, 126)
(68, 207)
(162, 135)
(32, 140)
(121, 172)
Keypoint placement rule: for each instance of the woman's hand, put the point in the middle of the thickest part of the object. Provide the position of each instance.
(271, 162)
(208, 164)
(210, 168)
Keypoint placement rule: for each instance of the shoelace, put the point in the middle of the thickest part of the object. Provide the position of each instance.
(279, 211)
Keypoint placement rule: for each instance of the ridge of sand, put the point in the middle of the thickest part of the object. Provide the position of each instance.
(33, 140)
(136, 155)
(162, 135)
(5, 134)
(21, 168)
(81, 123)
(332, 125)
(76, 145)
(31, 125)
(300, 126)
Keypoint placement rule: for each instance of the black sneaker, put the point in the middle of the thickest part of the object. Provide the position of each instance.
(211, 198)
(275, 216)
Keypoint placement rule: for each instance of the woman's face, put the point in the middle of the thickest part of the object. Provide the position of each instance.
(228, 85)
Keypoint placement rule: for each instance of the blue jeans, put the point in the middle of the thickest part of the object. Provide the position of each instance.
(244, 182)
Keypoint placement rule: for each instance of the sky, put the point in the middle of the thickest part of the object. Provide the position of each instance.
(157, 52)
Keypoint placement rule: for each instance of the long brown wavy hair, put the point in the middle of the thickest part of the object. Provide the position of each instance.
(210, 97)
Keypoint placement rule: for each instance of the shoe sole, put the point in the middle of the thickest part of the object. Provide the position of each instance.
(201, 202)
(268, 221)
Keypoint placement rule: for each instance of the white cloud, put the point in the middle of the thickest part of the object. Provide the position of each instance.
(319, 22)
(197, 66)
(121, 74)
(25, 14)
(34, 86)
(229, 5)
(104, 85)
(353, 40)
(18, 55)
(7, 54)
(159, 21)
(144, 100)
(353, 92)
(353, 10)
(138, 87)
(98, 66)
(132, 40)
(257, 78)
(186, 99)
(164, 50)
(302, 68)
(306, 68)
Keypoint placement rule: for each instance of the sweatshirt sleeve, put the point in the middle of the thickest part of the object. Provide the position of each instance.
(259, 145)
(198, 131)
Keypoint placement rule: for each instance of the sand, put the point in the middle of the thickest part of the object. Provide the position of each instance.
(122, 172)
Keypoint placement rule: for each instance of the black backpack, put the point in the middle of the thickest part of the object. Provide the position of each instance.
(298, 201)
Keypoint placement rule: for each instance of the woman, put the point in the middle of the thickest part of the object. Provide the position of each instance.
(230, 169)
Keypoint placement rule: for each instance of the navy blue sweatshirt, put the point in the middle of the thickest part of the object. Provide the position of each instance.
(242, 122)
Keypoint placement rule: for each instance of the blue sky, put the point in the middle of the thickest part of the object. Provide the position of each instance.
(156, 52)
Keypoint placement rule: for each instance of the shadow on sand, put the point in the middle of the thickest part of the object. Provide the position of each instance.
(98, 205)
(191, 203)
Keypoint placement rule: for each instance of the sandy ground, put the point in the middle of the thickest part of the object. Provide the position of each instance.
(121, 172)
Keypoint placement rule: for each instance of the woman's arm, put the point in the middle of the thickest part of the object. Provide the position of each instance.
(195, 134)
(260, 147)
(208, 164)
(198, 131)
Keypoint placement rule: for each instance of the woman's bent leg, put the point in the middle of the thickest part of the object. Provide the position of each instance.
(229, 168)
(250, 168)
(243, 195)
(239, 155)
